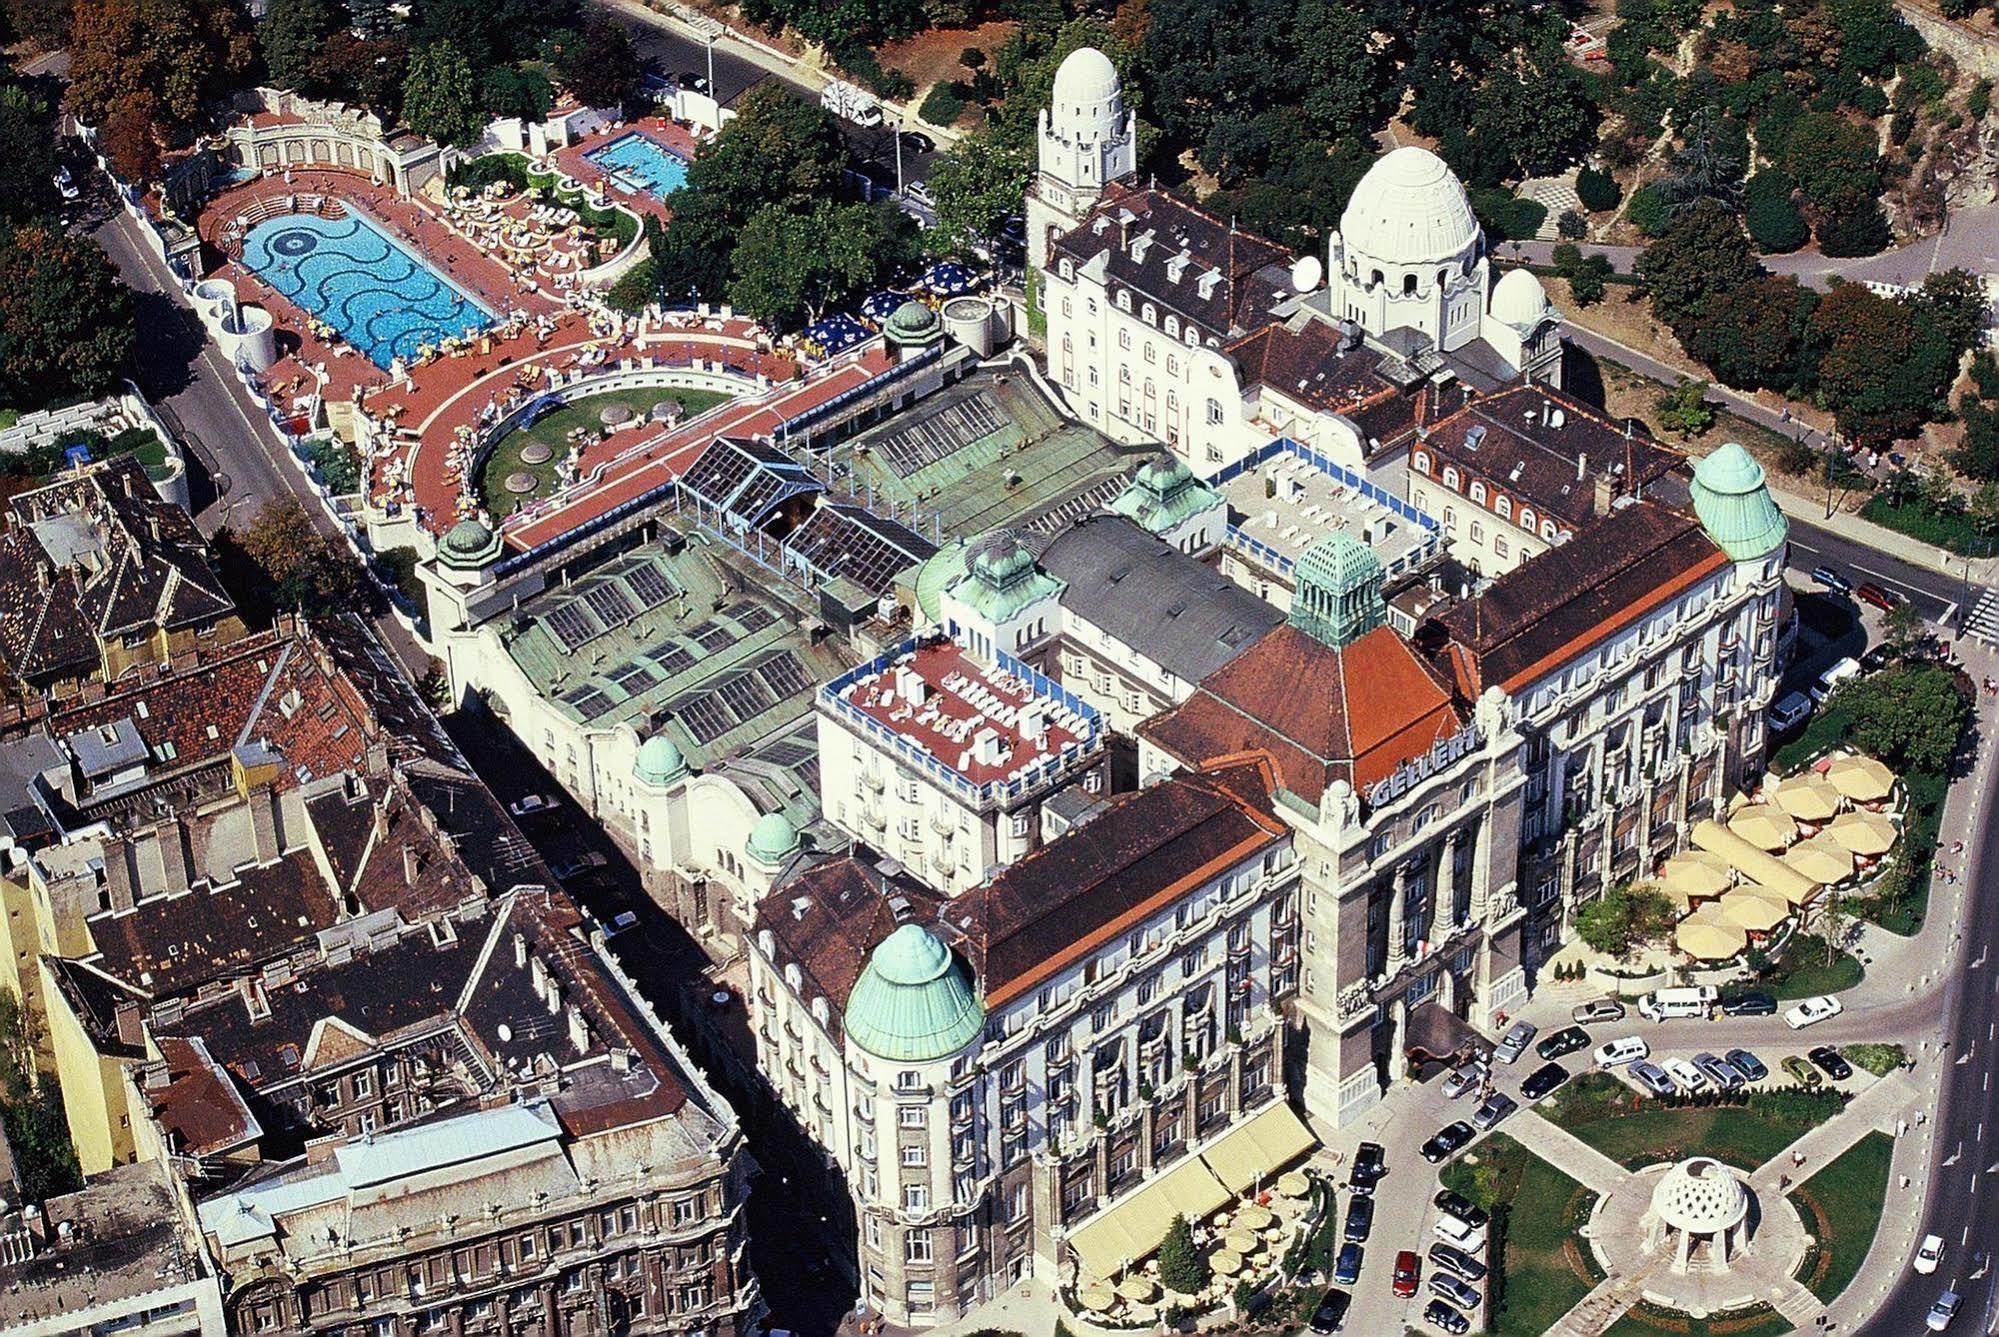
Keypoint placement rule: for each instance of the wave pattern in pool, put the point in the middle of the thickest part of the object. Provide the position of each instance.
(345, 271)
(642, 161)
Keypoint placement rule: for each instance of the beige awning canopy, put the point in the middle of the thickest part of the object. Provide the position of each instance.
(1764, 825)
(1259, 1149)
(1822, 859)
(1754, 909)
(1753, 863)
(1705, 935)
(1694, 874)
(1864, 832)
(1128, 1231)
(1862, 779)
(1808, 798)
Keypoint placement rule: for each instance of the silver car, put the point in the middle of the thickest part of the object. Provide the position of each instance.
(1719, 1071)
(1597, 1010)
(1653, 1077)
(1515, 1042)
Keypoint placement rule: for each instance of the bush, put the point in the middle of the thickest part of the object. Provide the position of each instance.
(1587, 283)
(944, 103)
(479, 173)
(1598, 191)
(1770, 213)
(638, 287)
(1865, 231)
(1649, 211)
(338, 466)
(1878, 1059)
(1507, 217)
(1980, 101)
(1572, 225)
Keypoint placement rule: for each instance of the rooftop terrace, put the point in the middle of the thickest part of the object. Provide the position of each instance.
(1286, 496)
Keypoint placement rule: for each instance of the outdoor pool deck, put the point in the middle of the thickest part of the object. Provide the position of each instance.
(584, 161)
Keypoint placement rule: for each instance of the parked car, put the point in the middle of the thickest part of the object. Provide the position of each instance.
(1453, 1203)
(1447, 1141)
(1746, 1063)
(1943, 1311)
(1812, 1011)
(1514, 1043)
(582, 863)
(1565, 1041)
(1652, 1077)
(914, 141)
(1719, 1071)
(1458, 1235)
(1627, 1050)
(1543, 1082)
(1360, 1220)
(1370, 1163)
(1684, 1074)
(1495, 1107)
(1788, 711)
(1755, 1004)
(1446, 1319)
(1827, 578)
(1408, 1271)
(1884, 599)
(1331, 1315)
(66, 184)
(1830, 1062)
(1457, 1261)
(1830, 680)
(1346, 1267)
(1465, 1077)
(621, 922)
(1447, 1287)
(530, 804)
(1928, 1254)
(1799, 1071)
(1596, 1011)
(1678, 1004)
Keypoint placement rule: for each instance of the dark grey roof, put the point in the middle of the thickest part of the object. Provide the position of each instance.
(1180, 613)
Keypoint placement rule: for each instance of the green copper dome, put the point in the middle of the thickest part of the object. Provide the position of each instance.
(469, 543)
(1163, 494)
(913, 1002)
(912, 323)
(659, 761)
(1735, 507)
(1339, 590)
(1001, 579)
(772, 838)
(935, 576)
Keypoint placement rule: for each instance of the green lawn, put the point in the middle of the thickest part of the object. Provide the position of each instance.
(1804, 971)
(1536, 1209)
(1841, 1204)
(1954, 530)
(553, 431)
(1634, 1130)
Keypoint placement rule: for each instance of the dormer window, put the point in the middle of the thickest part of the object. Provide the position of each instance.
(1150, 314)
(1450, 476)
(1124, 301)
(1422, 462)
(1505, 508)
(1173, 327)
(1068, 269)
(1478, 492)
(1527, 518)
(1208, 281)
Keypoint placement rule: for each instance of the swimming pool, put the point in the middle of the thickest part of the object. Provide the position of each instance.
(642, 161)
(348, 273)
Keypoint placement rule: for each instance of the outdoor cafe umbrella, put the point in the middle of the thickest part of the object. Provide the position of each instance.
(1821, 859)
(1138, 1290)
(1242, 1241)
(1807, 798)
(1764, 826)
(1096, 1298)
(1751, 909)
(1693, 874)
(1225, 1261)
(1707, 936)
(1862, 779)
(1863, 832)
(1254, 1217)
(1293, 1184)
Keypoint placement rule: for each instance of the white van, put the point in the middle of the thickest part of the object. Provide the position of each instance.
(1459, 1235)
(1671, 1004)
(1628, 1050)
(1830, 680)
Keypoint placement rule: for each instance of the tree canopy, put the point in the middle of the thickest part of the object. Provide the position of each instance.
(1909, 715)
(173, 54)
(66, 322)
(441, 95)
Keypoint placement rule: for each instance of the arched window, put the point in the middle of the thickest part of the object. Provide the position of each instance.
(1173, 326)
(1422, 462)
(1124, 301)
(1443, 277)
(1527, 518)
(1068, 269)
(1151, 314)
(1548, 530)
(1376, 278)
(1408, 285)
(1478, 492)
(1505, 508)
(1450, 476)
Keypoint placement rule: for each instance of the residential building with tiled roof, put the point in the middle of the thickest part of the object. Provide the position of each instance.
(100, 574)
(1030, 1078)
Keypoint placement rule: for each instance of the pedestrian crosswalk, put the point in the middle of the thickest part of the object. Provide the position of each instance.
(1983, 619)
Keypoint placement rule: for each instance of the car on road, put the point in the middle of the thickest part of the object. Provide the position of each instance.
(622, 922)
(1453, 1203)
(1370, 1163)
(1465, 1077)
(1788, 711)
(1565, 1041)
(66, 184)
(1360, 1220)
(1753, 1004)
(1943, 1311)
(1458, 1235)
(1596, 1011)
(1331, 1315)
(1719, 1071)
(691, 81)
(1652, 1077)
(1831, 1062)
(530, 804)
(1799, 1071)
(1346, 1267)
(1928, 1254)
(1827, 578)
(1446, 1319)
(1447, 1141)
(1627, 1050)
(918, 191)
(1543, 1081)
(1458, 1262)
(1812, 1011)
(1684, 1074)
(1884, 599)
(582, 863)
(1830, 680)
(1746, 1063)
(1514, 1043)
(1408, 1272)
(1495, 1107)
(1447, 1287)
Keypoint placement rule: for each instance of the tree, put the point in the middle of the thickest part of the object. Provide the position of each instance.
(291, 36)
(975, 187)
(1770, 213)
(1648, 210)
(441, 95)
(1701, 253)
(1182, 1267)
(790, 268)
(1754, 336)
(601, 68)
(1598, 191)
(66, 323)
(1834, 161)
(44, 23)
(281, 563)
(1345, 83)
(1684, 409)
(521, 91)
(1952, 302)
(28, 147)
(1909, 715)
(177, 53)
(1903, 627)
(365, 71)
(779, 149)
(1878, 372)
(1588, 280)
(1865, 231)
(1703, 169)
(1572, 224)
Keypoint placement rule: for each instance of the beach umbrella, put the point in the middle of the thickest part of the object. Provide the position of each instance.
(1225, 1261)
(1862, 779)
(1821, 859)
(1254, 1217)
(1764, 826)
(1294, 1184)
(1695, 874)
(1808, 798)
(1750, 909)
(1096, 1299)
(1707, 936)
(1863, 832)
(1138, 1290)
(1242, 1241)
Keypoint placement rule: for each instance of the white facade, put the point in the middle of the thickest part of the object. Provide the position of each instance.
(1086, 140)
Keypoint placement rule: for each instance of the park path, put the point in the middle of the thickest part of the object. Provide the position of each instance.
(1876, 1108)
(1568, 1153)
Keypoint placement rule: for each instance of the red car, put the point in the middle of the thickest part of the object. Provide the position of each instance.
(1885, 600)
(1408, 1271)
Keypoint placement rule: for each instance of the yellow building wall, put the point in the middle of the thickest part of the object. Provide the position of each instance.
(93, 1089)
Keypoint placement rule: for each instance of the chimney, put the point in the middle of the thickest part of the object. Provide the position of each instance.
(579, 1030)
(554, 998)
(537, 974)
(131, 1023)
(1582, 465)
(520, 951)
(118, 875)
(174, 856)
(1606, 492)
(411, 865)
(264, 824)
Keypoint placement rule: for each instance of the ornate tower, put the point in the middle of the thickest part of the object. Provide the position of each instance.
(1087, 140)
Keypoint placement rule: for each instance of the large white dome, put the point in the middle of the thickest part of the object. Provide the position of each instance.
(1085, 83)
(1519, 300)
(1701, 1196)
(1410, 209)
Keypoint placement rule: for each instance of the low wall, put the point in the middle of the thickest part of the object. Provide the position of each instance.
(1976, 52)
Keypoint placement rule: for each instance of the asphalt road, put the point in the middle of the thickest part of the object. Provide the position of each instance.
(1935, 594)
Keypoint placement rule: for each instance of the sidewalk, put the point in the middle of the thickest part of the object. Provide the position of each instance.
(1568, 1153)
(1875, 1109)
(1984, 570)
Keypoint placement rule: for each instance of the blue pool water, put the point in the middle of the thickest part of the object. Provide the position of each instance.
(642, 161)
(347, 272)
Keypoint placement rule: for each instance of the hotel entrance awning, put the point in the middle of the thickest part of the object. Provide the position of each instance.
(1127, 1231)
(1271, 1140)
